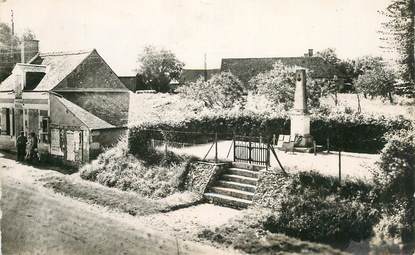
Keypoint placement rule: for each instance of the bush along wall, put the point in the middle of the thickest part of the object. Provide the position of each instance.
(316, 208)
(348, 132)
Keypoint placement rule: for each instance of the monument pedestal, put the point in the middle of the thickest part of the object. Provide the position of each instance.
(300, 127)
(300, 119)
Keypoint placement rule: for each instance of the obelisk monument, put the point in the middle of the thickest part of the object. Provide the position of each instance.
(300, 118)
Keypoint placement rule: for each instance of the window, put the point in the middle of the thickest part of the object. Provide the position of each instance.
(5, 121)
(44, 134)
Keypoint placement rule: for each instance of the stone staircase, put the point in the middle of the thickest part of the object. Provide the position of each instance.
(235, 187)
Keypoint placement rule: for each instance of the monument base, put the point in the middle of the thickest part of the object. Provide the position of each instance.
(304, 141)
(300, 128)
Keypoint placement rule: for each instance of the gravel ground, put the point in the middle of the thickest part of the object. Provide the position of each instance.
(354, 165)
(36, 220)
(186, 223)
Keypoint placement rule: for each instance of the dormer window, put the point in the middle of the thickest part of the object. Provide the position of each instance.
(27, 76)
(33, 79)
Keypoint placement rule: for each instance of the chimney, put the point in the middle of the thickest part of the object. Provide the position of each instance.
(29, 49)
(310, 52)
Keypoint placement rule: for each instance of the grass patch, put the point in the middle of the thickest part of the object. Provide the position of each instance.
(313, 207)
(158, 177)
(247, 233)
(122, 201)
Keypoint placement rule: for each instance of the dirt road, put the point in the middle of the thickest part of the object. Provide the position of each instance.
(35, 220)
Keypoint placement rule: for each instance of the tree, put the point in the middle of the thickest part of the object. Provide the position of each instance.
(365, 63)
(6, 38)
(375, 79)
(399, 34)
(394, 179)
(28, 35)
(278, 85)
(158, 67)
(329, 55)
(222, 90)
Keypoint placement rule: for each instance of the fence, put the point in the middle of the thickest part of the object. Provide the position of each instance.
(251, 150)
(217, 146)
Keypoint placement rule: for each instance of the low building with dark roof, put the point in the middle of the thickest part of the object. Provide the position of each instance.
(192, 75)
(73, 102)
(247, 68)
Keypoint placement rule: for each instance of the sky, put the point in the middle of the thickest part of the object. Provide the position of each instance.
(191, 28)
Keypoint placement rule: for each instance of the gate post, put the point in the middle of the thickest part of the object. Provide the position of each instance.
(268, 163)
(234, 148)
(249, 150)
(216, 147)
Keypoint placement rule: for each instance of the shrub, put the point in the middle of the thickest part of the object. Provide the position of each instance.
(350, 132)
(394, 178)
(327, 220)
(247, 233)
(116, 168)
(278, 85)
(223, 90)
(387, 233)
(313, 207)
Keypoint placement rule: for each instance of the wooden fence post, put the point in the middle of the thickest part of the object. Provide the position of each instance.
(340, 167)
(216, 147)
(328, 144)
(249, 150)
(268, 163)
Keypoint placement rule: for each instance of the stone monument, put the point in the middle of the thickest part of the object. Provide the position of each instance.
(300, 118)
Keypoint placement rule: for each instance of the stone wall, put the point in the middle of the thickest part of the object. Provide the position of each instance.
(271, 188)
(202, 175)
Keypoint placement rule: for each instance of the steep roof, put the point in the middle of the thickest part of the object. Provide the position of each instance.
(246, 68)
(89, 119)
(59, 66)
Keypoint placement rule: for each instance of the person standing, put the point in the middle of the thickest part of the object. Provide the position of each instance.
(21, 146)
(32, 150)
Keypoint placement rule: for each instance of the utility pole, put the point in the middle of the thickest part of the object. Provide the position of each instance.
(205, 70)
(11, 37)
(12, 20)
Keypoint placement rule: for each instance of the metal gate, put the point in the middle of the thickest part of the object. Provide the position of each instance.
(251, 150)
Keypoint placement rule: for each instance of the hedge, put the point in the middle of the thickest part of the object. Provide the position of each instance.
(348, 132)
(313, 207)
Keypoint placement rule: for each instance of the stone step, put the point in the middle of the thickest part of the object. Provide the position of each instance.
(243, 172)
(247, 166)
(236, 185)
(233, 202)
(240, 179)
(233, 192)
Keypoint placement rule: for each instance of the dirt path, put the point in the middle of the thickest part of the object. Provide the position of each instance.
(187, 222)
(37, 221)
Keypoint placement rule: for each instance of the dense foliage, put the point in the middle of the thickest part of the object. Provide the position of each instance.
(157, 67)
(313, 207)
(376, 79)
(399, 34)
(278, 85)
(223, 90)
(350, 132)
(395, 180)
(117, 168)
(248, 233)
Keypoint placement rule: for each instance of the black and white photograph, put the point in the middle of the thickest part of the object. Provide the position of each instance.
(184, 127)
